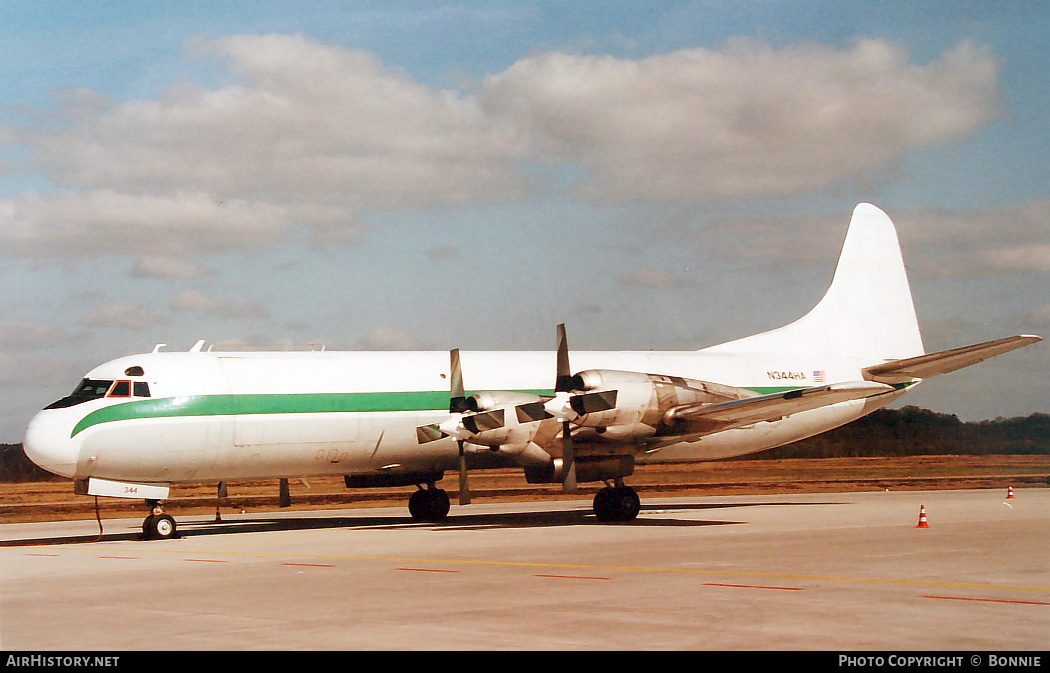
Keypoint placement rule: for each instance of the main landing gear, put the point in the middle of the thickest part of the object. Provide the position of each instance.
(429, 505)
(158, 525)
(611, 504)
(616, 503)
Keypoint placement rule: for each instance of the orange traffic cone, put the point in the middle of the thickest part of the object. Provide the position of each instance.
(1009, 492)
(922, 517)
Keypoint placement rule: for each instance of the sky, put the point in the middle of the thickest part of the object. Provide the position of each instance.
(432, 175)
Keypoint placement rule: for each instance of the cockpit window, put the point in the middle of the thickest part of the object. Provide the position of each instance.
(121, 389)
(134, 371)
(92, 389)
(89, 389)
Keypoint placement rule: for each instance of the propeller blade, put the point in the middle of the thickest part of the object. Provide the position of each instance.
(285, 499)
(568, 484)
(484, 420)
(589, 403)
(531, 411)
(464, 488)
(457, 404)
(563, 382)
(457, 399)
(429, 433)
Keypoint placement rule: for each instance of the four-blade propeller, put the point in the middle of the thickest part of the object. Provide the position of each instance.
(470, 419)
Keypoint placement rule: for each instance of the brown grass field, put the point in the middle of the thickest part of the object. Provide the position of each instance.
(55, 500)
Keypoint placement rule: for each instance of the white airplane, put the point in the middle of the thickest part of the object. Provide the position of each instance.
(138, 424)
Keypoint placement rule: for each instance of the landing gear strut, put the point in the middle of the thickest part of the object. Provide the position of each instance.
(616, 503)
(158, 525)
(429, 504)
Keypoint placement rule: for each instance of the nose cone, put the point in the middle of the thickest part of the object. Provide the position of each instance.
(48, 444)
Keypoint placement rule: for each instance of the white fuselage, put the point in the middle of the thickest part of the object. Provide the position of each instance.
(223, 416)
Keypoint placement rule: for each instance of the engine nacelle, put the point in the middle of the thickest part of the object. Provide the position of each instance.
(632, 404)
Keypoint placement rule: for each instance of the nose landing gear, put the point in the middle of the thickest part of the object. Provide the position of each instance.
(158, 525)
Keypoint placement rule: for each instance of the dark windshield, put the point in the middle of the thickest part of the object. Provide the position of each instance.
(89, 389)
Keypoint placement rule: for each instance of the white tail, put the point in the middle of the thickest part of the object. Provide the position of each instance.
(867, 313)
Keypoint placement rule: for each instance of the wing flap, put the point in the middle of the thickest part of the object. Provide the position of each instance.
(778, 405)
(943, 362)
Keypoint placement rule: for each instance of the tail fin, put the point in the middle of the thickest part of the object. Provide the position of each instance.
(867, 312)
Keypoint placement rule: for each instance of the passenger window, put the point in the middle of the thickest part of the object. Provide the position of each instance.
(121, 389)
(141, 389)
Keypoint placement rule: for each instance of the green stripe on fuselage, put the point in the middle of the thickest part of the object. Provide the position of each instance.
(236, 405)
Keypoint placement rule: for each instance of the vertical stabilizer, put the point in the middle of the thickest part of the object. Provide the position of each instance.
(867, 312)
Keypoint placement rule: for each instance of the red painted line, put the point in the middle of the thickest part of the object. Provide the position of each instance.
(133, 558)
(751, 586)
(573, 577)
(41, 554)
(206, 560)
(427, 570)
(309, 565)
(986, 600)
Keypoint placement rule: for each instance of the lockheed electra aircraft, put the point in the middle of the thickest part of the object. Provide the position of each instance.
(136, 425)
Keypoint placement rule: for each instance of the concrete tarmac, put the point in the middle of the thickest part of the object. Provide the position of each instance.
(845, 571)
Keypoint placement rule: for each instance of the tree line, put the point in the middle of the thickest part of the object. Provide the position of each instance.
(907, 431)
(914, 431)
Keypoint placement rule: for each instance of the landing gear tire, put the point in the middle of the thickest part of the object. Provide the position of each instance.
(429, 505)
(158, 527)
(616, 503)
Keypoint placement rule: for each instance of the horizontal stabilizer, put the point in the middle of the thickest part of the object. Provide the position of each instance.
(778, 405)
(932, 364)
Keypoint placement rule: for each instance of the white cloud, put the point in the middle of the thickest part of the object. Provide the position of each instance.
(312, 136)
(1041, 315)
(17, 336)
(1030, 258)
(936, 242)
(168, 267)
(108, 221)
(197, 301)
(389, 339)
(749, 120)
(119, 315)
(439, 253)
(308, 123)
(652, 278)
(1009, 239)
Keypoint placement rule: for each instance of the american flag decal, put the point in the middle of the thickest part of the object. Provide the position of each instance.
(818, 376)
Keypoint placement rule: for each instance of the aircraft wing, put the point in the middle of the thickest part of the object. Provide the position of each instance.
(942, 362)
(777, 405)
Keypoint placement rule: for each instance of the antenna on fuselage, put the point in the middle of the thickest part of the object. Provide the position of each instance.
(156, 349)
(197, 346)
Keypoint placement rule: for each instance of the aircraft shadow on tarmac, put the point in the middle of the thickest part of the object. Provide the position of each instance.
(455, 522)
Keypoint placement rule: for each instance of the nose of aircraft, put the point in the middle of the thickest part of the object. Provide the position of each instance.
(48, 444)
